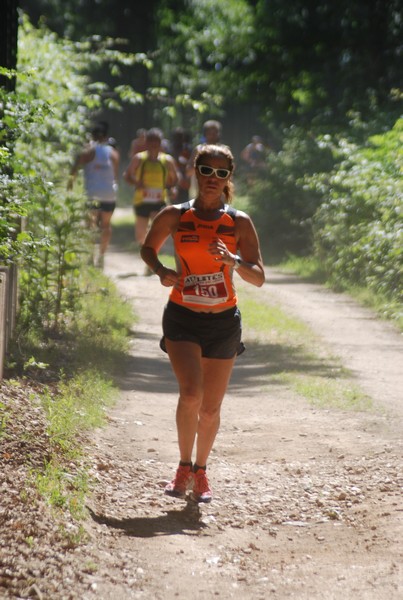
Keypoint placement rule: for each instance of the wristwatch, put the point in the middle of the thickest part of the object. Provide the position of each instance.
(238, 262)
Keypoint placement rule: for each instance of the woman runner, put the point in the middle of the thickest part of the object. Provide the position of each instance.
(201, 322)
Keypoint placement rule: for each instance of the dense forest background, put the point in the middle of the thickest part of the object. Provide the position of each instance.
(258, 65)
(319, 81)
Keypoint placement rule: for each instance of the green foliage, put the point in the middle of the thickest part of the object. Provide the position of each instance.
(319, 60)
(307, 267)
(208, 46)
(328, 393)
(101, 324)
(79, 405)
(94, 336)
(215, 41)
(63, 490)
(3, 419)
(358, 230)
(299, 62)
(50, 281)
(79, 402)
(49, 245)
(281, 204)
(76, 401)
(264, 318)
(341, 203)
(42, 227)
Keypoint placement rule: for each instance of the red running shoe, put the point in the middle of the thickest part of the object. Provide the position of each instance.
(201, 488)
(182, 482)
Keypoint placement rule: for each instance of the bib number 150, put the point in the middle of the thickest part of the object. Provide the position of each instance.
(205, 289)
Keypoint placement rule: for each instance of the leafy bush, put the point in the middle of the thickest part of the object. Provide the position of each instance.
(281, 205)
(358, 230)
(42, 226)
(101, 341)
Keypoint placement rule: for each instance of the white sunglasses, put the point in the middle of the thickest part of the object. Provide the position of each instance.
(207, 171)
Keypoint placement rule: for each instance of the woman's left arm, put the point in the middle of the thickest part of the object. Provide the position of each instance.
(250, 267)
(115, 158)
(250, 264)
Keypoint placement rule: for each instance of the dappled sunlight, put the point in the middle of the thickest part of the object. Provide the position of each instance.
(262, 362)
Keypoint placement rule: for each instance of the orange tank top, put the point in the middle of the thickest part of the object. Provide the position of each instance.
(204, 282)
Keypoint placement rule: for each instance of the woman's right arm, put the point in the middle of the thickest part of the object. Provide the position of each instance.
(130, 174)
(84, 157)
(164, 224)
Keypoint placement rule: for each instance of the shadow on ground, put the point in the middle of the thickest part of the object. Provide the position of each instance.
(173, 522)
(261, 361)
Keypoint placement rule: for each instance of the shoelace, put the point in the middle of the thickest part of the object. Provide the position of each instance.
(202, 484)
(182, 476)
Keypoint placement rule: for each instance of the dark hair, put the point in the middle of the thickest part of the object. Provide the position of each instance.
(178, 134)
(219, 151)
(100, 129)
(211, 124)
(155, 134)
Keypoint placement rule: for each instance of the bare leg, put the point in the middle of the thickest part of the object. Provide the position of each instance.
(141, 226)
(92, 219)
(106, 230)
(216, 376)
(202, 386)
(140, 229)
(186, 359)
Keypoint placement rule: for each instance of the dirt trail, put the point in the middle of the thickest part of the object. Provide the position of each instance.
(371, 348)
(307, 502)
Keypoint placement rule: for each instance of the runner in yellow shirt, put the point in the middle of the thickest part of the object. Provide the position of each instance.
(152, 172)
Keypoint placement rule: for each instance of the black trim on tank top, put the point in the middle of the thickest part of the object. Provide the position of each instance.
(230, 210)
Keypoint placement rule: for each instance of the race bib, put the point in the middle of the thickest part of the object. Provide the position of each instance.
(206, 289)
(152, 195)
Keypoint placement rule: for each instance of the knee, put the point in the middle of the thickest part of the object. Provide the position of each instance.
(210, 414)
(190, 398)
(106, 227)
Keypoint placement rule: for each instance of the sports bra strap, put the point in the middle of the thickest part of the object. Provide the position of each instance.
(230, 210)
(185, 206)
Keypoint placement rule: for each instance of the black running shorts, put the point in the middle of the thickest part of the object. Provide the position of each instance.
(218, 334)
(145, 210)
(99, 205)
